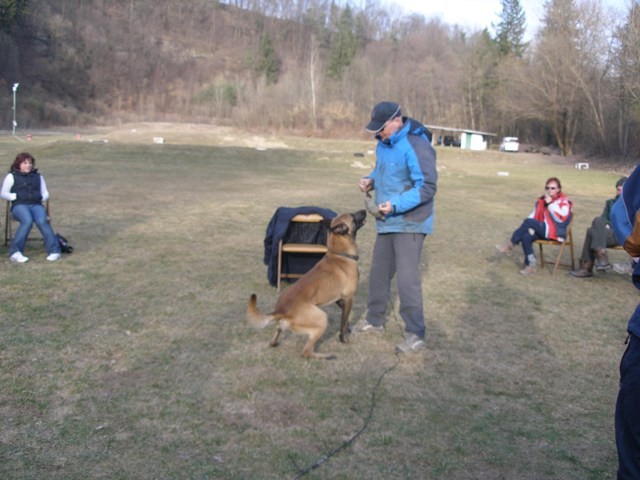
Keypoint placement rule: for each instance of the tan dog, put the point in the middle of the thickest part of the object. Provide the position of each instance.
(333, 279)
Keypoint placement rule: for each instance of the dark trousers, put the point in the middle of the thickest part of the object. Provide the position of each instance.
(524, 236)
(597, 236)
(628, 413)
(397, 254)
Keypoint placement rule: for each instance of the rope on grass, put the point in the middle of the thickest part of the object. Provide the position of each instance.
(325, 458)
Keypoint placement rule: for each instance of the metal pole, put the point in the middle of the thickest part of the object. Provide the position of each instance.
(15, 88)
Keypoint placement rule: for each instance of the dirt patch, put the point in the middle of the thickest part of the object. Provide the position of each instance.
(183, 134)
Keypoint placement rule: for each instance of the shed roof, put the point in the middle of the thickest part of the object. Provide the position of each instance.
(463, 130)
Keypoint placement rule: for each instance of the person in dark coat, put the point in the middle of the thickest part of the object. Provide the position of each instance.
(598, 238)
(26, 189)
(625, 220)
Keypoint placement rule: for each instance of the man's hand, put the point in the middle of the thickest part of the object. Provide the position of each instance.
(365, 184)
(632, 243)
(386, 208)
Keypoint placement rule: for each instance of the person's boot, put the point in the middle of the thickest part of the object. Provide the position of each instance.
(585, 270)
(602, 259)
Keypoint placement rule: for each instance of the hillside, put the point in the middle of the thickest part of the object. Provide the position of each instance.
(314, 67)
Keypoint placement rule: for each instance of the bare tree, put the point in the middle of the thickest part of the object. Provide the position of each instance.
(313, 73)
(628, 75)
(548, 84)
(155, 59)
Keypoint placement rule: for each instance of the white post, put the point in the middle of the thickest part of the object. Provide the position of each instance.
(15, 88)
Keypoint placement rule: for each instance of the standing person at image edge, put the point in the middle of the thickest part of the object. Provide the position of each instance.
(404, 183)
(625, 220)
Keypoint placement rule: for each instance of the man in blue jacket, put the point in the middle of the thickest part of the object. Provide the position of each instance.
(404, 182)
(625, 220)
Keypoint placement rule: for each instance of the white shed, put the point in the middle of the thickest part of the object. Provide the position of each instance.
(468, 140)
(473, 140)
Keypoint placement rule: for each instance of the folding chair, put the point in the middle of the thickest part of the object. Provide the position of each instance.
(568, 242)
(8, 228)
(302, 230)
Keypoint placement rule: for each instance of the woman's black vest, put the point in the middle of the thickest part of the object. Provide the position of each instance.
(27, 188)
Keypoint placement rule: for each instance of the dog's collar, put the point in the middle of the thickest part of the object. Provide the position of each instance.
(352, 257)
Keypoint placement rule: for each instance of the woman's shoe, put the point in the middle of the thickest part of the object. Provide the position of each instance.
(528, 270)
(18, 257)
(506, 247)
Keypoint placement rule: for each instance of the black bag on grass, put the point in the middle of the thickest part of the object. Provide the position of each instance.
(64, 244)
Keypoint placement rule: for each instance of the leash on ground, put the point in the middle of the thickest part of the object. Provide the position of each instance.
(325, 458)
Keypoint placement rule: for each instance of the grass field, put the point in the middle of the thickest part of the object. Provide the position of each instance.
(131, 358)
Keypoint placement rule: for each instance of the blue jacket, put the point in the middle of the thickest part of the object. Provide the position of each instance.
(405, 174)
(623, 215)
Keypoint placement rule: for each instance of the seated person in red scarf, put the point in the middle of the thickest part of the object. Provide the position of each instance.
(549, 220)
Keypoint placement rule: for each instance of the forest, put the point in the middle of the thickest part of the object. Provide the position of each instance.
(316, 67)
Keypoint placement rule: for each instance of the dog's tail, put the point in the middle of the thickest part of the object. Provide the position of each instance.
(255, 316)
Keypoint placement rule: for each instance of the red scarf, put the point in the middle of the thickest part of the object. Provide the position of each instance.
(556, 223)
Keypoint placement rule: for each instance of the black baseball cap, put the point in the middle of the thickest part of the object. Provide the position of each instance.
(381, 114)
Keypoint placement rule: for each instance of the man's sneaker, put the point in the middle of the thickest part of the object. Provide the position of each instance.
(412, 344)
(363, 326)
(18, 257)
(53, 257)
(623, 268)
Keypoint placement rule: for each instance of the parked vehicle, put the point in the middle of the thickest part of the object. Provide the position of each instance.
(451, 141)
(509, 144)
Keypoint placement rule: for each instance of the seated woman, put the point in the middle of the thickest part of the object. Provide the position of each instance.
(548, 220)
(26, 189)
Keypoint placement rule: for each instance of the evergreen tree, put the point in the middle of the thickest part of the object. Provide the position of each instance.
(268, 64)
(511, 29)
(344, 45)
(10, 11)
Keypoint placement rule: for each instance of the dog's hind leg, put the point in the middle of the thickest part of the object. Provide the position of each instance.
(314, 326)
(276, 336)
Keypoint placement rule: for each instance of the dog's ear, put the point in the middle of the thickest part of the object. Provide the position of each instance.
(340, 229)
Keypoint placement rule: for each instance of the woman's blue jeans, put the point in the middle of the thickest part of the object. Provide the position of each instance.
(27, 215)
(524, 236)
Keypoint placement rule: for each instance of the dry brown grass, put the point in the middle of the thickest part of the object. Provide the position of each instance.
(131, 358)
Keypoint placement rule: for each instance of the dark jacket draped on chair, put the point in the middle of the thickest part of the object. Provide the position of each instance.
(277, 229)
